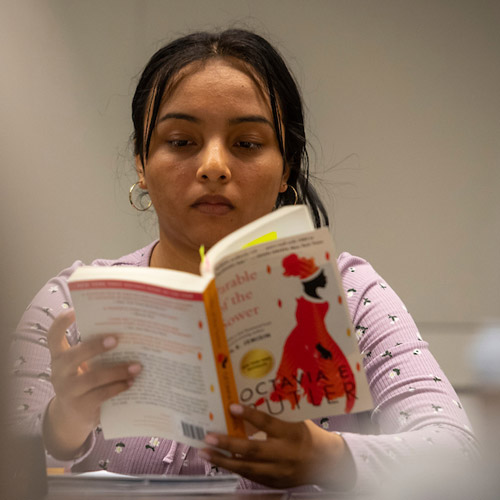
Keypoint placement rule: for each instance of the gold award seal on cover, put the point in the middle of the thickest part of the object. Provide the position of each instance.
(256, 363)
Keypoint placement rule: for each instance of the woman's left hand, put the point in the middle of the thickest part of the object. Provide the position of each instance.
(293, 454)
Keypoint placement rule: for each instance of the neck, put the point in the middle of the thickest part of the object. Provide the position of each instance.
(169, 256)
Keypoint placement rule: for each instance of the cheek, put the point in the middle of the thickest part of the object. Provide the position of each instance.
(264, 182)
(166, 187)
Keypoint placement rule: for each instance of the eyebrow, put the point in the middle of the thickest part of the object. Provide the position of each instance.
(251, 119)
(179, 116)
(232, 121)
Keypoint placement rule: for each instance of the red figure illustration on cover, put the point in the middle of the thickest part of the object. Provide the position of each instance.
(312, 365)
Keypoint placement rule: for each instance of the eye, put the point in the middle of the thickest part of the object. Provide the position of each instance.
(180, 143)
(248, 145)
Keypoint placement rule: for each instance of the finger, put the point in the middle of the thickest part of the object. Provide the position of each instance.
(74, 385)
(101, 394)
(267, 450)
(272, 426)
(74, 360)
(56, 336)
(274, 474)
(240, 447)
(103, 376)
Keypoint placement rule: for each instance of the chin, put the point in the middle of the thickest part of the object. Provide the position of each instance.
(214, 230)
(210, 238)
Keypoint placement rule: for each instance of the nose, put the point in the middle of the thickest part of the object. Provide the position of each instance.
(214, 166)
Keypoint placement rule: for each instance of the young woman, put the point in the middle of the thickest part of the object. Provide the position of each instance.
(219, 141)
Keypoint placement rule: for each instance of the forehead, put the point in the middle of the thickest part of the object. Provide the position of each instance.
(217, 79)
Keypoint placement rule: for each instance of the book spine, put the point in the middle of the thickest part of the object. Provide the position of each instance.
(220, 349)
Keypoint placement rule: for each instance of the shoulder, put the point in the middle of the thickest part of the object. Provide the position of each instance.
(138, 258)
(368, 294)
(356, 270)
(360, 280)
(346, 260)
(54, 296)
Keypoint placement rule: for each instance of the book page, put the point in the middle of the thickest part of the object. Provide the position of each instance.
(176, 395)
(281, 223)
(292, 345)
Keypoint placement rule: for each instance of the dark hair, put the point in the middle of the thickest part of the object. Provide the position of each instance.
(269, 67)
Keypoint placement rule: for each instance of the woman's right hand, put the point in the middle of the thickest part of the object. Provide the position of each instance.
(80, 389)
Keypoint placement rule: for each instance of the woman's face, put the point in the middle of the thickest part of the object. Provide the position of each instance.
(214, 162)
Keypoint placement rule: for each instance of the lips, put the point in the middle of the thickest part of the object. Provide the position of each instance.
(213, 205)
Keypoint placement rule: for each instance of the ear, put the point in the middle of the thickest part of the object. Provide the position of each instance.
(284, 179)
(139, 168)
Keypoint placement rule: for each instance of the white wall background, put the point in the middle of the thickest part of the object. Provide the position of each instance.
(403, 109)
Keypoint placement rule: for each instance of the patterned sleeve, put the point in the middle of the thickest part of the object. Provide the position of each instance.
(417, 412)
(31, 391)
(29, 356)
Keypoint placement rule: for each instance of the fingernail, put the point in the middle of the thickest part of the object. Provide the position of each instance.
(211, 440)
(134, 369)
(236, 409)
(109, 342)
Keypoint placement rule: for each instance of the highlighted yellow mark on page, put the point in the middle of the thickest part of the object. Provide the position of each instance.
(202, 253)
(273, 235)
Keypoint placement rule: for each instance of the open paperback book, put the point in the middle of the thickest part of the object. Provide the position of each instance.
(265, 324)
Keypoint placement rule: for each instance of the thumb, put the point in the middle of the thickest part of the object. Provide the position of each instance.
(56, 336)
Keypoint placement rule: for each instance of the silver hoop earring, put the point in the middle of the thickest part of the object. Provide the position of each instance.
(295, 193)
(140, 197)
